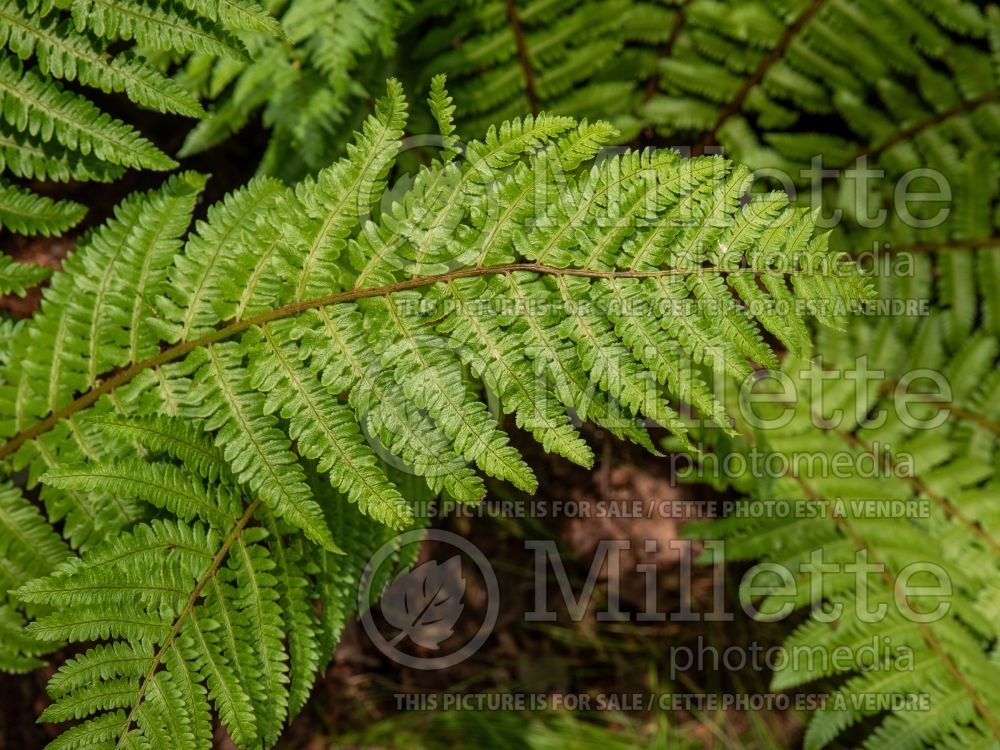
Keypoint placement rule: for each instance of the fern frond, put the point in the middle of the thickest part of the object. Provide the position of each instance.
(251, 440)
(52, 131)
(19, 653)
(269, 72)
(439, 730)
(157, 26)
(504, 58)
(277, 378)
(32, 158)
(752, 76)
(16, 278)
(311, 90)
(307, 257)
(950, 473)
(183, 442)
(163, 486)
(236, 15)
(29, 548)
(319, 423)
(76, 339)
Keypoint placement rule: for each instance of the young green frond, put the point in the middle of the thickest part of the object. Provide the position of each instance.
(312, 87)
(359, 288)
(346, 333)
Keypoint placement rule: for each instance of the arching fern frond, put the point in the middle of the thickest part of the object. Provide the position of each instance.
(345, 332)
(305, 255)
(955, 537)
(888, 458)
(778, 84)
(903, 90)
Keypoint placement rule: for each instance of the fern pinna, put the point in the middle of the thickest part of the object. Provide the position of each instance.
(327, 330)
(49, 128)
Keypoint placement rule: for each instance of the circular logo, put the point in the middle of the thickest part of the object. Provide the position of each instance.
(422, 606)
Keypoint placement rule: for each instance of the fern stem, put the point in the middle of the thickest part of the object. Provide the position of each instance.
(874, 152)
(665, 51)
(207, 576)
(233, 327)
(733, 108)
(945, 245)
(522, 54)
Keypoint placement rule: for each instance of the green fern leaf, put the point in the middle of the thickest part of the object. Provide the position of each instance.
(161, 26)
(229, 427)
(30, 103)
(27, 213)
(17, 278)
(63, 53)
